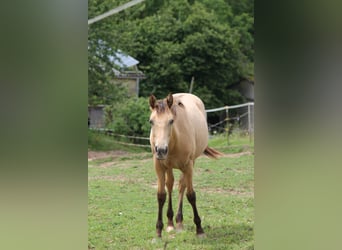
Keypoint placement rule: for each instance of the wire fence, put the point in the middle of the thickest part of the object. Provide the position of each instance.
(237, 119)
(126, 140)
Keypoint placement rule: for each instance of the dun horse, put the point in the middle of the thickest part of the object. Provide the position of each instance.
(179, 134)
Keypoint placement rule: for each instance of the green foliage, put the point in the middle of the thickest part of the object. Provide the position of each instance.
(174, 41)
(101, 89)
(130, 117)
(242, 6)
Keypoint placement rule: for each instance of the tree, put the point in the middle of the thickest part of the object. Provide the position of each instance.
(175, 41)
(102, 45)
(101, 89)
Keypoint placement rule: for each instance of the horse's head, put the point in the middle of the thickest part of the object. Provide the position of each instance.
(161, 120)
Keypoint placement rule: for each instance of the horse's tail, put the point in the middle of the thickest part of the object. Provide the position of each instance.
(212, 153)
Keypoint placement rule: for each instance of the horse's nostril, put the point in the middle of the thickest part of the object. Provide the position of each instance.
(161, 151)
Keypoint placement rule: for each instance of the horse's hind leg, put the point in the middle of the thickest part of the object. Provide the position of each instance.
(161, 197)
(191, 196)
(179, 216)
(197, 220)
(169, 185)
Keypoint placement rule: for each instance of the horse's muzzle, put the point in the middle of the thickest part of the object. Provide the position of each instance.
(161, 152)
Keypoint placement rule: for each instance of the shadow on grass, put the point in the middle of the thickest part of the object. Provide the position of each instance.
(236, 236)
(228, 237)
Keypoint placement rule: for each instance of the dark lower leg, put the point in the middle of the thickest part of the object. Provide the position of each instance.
(179, 217)
(197, 220)
(161, 200)
(170, 212)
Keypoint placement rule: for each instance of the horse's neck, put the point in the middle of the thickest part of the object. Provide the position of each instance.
(178, 135)
(173, 139)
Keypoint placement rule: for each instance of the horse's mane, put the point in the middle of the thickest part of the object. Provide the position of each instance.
(161, 106)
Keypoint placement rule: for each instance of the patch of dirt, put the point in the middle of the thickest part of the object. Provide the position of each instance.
(93, 155)
(231, 191)
(235, 155)
(227, 191)
(232, 155)
(109, 178)
(106, 164)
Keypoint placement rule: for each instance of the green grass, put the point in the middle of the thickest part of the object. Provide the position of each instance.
(122, 206)
(237, 143)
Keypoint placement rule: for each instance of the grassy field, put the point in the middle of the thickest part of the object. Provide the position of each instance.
(122, 206)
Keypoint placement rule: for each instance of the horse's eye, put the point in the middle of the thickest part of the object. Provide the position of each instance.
(151, 122)
(171, 122)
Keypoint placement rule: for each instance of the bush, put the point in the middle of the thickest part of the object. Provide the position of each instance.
(130, 117)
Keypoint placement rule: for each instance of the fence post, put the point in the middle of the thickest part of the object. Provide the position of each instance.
(191, 84)
(227, 120)
(249, 122)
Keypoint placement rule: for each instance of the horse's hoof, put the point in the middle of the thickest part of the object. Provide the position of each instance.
(201, 235)
(170, 228)
(156, 240)
(179, 227)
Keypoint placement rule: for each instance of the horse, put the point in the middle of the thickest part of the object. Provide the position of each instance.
(179, 135)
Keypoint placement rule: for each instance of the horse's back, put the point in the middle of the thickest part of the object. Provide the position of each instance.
(196, 121)
(190, 102)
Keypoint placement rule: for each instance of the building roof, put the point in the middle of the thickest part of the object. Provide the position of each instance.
(122, 60)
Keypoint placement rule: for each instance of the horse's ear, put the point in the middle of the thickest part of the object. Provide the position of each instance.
(169, 100)
(152, 101)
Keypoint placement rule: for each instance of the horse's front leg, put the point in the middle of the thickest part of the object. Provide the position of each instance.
(161, 195)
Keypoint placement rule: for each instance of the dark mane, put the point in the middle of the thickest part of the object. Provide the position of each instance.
(161, 107)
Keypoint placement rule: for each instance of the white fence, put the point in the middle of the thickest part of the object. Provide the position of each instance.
(235, 118)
